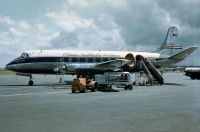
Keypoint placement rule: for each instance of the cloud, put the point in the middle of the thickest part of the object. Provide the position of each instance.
(142, 22)
(93, 39)
(6, 21)
(19, 35)
(64, 40)
(79, 3)
(103, 40)
(96, 3)
(186, 14)
(69, 21)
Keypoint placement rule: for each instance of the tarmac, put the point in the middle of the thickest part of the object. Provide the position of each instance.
(51, 107)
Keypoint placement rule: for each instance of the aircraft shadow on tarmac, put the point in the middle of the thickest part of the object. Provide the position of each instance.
(19, 85)
(175, 84)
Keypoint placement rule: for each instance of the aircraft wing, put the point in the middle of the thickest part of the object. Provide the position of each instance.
(112, 64)
(175, 58)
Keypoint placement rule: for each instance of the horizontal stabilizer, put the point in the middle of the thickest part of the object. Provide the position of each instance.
(182, 55)
(175, 58)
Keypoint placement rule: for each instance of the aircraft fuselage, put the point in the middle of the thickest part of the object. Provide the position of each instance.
(69, 61)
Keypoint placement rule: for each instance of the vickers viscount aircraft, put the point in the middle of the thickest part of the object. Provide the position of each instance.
(82, 62)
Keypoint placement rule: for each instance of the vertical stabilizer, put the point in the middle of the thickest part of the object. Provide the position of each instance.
(169, 46)
(170, 38)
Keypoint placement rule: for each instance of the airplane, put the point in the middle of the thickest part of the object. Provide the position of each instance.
(90, 63)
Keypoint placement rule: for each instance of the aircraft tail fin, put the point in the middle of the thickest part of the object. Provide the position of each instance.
(170, 38)
(169, 42)
(169, 47)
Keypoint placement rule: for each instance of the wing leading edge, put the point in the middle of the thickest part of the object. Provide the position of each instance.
(113, 64)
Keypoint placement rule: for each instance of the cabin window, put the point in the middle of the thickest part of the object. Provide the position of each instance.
(42, 59)
(66, 59)
(59, 59)
(105, 59)
(98, 59)
(70, 59)
(82, 59)
(51, 59)
(74, 59)
(90, 59)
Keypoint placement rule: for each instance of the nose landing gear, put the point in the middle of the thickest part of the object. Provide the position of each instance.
(30, 83)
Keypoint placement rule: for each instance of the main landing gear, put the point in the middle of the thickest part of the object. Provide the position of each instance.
(128, 87)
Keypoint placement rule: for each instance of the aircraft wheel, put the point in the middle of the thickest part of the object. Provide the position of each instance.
(126, 88)
(73, 91)
(93, 90)
(130, 87)
(95, 87)
(83, 91)
(30, 83)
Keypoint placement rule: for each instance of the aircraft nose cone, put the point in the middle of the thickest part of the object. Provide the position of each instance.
(10, 66)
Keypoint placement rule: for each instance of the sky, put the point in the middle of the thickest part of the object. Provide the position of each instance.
(96, 25)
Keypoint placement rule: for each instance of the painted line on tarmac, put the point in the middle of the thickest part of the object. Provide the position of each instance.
(10, 95)
(21, 88)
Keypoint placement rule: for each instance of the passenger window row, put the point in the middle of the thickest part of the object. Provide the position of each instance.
(67, 59)
(87, 59)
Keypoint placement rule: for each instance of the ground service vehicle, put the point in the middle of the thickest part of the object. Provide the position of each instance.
(119, 79)
(82, 85)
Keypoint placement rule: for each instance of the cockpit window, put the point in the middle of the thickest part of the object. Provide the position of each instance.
(24, 55)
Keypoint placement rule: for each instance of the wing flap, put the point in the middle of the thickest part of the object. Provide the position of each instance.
(113, 64)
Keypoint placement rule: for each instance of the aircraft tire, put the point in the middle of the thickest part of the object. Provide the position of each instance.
(83, 91)
(30, 83)
(130, 87)
(93, 90)
(126, 88)
(73, 91)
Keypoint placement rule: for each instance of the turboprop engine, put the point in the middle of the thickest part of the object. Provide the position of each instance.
(130, 57)
(129, 66)
(134, 65)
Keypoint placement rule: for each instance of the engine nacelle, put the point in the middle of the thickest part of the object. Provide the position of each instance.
(59, 69)
(130, 56)
(139, 57)
(129, 66)
(135, 61)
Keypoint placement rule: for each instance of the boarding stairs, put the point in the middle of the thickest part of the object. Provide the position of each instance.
(153, 74)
